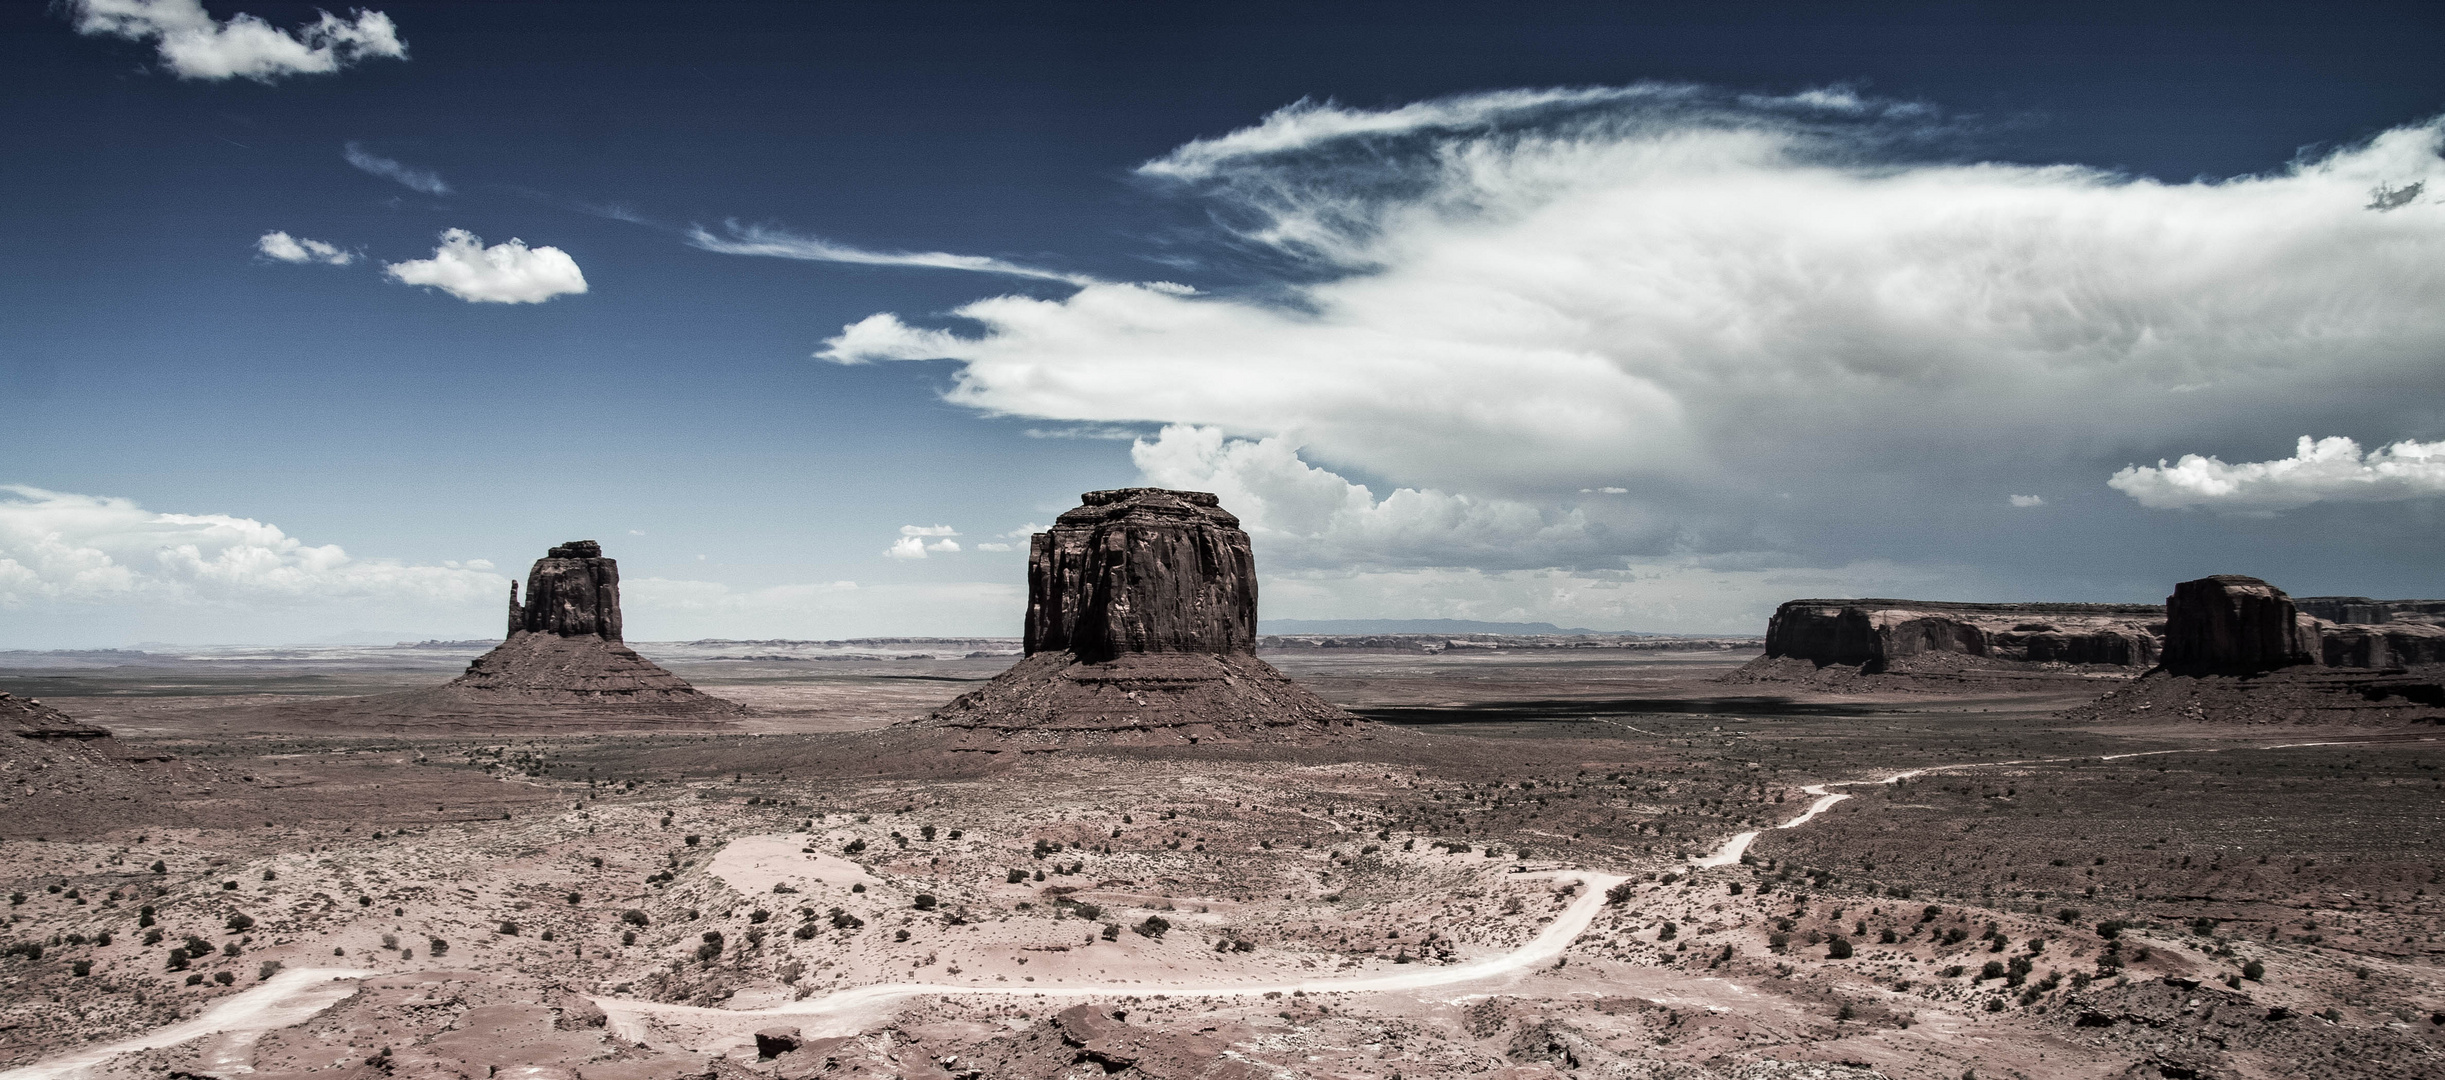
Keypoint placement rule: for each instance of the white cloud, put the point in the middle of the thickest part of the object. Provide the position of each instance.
(1300, 515)
(759, 240)
(507, 273)
(992, 546)
(195, 46)
(1713, 300)
(2028, 500)
(906, 547)
(928, 530)
(2318, 470)
(912, 543)
(297, 249)
(58, 548)
(424, 180)
(1686, 595)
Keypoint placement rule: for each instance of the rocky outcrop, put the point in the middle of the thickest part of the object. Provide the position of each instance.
(2382, 646)
(1877, 635)
(572, 590)
(1142, 570)
(563, 666)
(2230, 624)
(32, 719)
(2362, 611)
(1141, 629)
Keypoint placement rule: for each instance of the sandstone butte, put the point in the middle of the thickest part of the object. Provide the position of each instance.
(1141, 629)
(563, 661)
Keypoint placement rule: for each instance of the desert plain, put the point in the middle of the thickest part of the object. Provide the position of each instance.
(1540, 857)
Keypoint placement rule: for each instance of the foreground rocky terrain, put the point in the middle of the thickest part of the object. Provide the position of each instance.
(1533, 865)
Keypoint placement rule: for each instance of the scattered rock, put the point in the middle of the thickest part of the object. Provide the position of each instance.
(32, 719)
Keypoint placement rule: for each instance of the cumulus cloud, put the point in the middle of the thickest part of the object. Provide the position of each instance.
(58, 548)
(1674, 595)
(913, 542)
(2319, 470)
(297, 249)
(424, 180)
(1716, 299)
(506, 273)
(194, 45)
(760, 240)
(1303, 516)
(2028, 500)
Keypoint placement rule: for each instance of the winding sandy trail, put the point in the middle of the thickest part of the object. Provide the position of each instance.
(291, 997)
(850, 1008)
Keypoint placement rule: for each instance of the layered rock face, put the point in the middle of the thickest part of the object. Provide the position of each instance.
(34, 720)
(2230, 624)
(1876, 635)
(2362, 611)
(1141, 628)
(1142, 570)
(572, 590)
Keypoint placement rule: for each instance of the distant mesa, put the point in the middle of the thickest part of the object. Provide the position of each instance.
(1141, 629)
(1946, 639)
(30, 718)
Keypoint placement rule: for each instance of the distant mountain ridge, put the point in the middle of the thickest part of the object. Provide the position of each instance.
(1423, 626)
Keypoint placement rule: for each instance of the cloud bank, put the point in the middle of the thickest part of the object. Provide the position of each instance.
(424, 180)
(759, 240)
(61, 548)
(1708, 300)
(293, 249)
(505, 273)
(2319, 470)
(914, 543)
(193, 45)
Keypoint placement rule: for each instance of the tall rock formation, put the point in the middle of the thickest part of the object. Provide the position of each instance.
(1141, 628)
(563, 664)
(2229, 624)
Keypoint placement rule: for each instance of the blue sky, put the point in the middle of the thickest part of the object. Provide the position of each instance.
(1639, 317)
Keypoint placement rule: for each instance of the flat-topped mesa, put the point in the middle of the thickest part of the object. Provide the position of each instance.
(572, 590)
(1873, 634)
(1141, 628)
(1142, 570)
(2229, 624)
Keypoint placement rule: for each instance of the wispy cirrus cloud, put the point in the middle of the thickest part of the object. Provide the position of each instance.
(505, 273)
(409, 176)
(2319, 470)
(775, 243)
(194, 45)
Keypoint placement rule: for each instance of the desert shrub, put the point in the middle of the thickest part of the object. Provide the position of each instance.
(926, 833)
(195, 978)
(437, 947)
(899, 935)
(1112, 931)
(153, 936)
(224, 978)
(758, 915)
(240, 922)
(144, 918)
(81, 968)
(270, 876)
(634, 917)
(1953, 972)
(2254, 971)
(1667, 932)
(229, 948)
(573, 898)
(805, 931)
(1620, 894)
(1014, 877)
(628, 937)
(1155, 927)
(390, 941)
(1838, 949)
(508, 928)
(1992, 969)
(2110, 929)
(1778, 941)
(267, 970)
(691, 841)
(1995, 1004)
(709, 951)
(854, 846)
(925, 902)
(158, 867)
(1886, 936)
(1929, 913)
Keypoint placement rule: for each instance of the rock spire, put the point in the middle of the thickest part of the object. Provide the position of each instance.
(572, 590)
(1141, 628)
